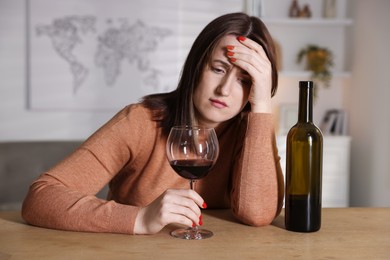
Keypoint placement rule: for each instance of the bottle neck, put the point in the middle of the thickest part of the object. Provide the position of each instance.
(305, 109)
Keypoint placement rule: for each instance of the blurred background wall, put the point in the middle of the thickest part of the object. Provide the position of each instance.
(365, 95)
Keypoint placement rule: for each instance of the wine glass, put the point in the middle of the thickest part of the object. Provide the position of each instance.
(192, 151)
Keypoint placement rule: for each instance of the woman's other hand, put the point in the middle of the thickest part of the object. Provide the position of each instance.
(173, 206)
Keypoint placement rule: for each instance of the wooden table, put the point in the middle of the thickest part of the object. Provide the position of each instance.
(348, 233)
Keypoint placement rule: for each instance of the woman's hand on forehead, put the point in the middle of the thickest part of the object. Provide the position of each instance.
(252, 59)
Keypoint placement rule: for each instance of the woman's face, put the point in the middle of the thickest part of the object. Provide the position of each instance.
(223, 88)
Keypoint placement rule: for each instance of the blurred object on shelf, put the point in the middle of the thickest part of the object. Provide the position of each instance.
(296, 12)
(294, 9)
(335, 122)
(305, 12)
(330, 9)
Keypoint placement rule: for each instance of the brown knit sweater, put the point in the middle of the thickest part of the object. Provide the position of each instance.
(129, 151)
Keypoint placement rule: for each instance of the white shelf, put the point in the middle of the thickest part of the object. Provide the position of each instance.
(307, 21)
(306, 74)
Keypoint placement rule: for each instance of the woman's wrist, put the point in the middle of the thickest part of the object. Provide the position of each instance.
(261, 107)
(139, 227)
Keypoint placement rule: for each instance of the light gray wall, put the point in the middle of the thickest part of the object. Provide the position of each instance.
(368, 99)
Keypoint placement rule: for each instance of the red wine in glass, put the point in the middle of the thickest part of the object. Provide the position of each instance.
(192, 169)
(192, 152)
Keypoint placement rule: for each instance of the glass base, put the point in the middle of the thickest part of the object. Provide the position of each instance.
(192, 233)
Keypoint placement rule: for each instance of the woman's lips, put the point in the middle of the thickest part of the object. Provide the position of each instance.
(218, 103)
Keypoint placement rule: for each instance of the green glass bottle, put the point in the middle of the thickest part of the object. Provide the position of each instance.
(304, 168)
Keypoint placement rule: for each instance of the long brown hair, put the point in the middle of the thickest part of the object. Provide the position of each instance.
(176, 107)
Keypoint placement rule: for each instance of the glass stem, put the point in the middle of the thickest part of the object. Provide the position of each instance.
(194, 232)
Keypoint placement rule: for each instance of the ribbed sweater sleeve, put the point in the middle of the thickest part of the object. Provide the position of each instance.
(257, 193)
(64, 197)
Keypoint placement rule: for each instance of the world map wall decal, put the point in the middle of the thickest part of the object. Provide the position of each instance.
(102, 59)
(65, 34)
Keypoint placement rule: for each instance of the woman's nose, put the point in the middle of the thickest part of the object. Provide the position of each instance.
(225, 86)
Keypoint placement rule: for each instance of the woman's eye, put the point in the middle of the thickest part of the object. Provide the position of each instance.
(217, 70)
(245, 82)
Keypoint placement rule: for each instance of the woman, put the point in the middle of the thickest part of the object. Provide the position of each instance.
(227, 83)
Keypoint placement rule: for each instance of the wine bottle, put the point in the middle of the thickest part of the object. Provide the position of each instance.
(304, 168)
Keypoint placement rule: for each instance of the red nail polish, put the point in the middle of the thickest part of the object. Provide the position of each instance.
(241, 38)
(233, 59)
(200, 223)
(204, 205)
(230, 47)
(229, 53)
(193, 224)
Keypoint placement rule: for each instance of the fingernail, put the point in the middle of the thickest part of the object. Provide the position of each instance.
(241, 38)
(193, 224)
(229, 53)
(200, 220)
(233, 59)
(230, 47)
(204, 205)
